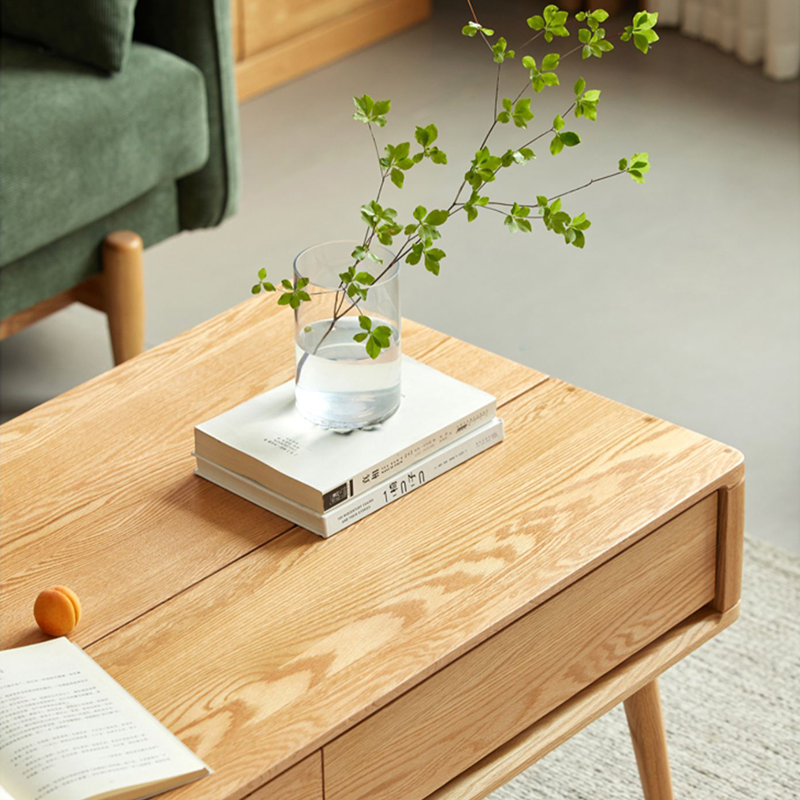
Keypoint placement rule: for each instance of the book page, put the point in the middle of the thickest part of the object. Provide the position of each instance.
(69, 731)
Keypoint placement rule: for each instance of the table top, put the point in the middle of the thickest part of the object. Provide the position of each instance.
(255, 641)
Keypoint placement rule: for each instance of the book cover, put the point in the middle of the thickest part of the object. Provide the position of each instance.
(265, 439)
(380, 495)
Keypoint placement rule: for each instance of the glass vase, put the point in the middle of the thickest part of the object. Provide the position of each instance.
(338, 385)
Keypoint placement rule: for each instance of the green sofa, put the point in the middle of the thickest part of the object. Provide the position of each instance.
(152, 149)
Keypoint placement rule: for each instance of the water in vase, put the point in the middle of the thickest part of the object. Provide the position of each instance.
(339, 386)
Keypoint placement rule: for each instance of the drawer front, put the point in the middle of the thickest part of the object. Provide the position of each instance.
(270, 22)
(303, 781)
(432, 733)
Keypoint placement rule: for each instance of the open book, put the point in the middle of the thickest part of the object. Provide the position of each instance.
(69, 731)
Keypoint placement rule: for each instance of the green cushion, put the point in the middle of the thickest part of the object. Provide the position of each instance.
(62, 264)
(96, 32)
(77, 145)
(200, 32)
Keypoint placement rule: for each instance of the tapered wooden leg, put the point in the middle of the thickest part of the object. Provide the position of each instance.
(646, 724)
(123, 272)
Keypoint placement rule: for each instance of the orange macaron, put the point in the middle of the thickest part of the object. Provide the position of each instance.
(57, 610)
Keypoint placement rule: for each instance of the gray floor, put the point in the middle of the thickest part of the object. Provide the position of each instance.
(684, 303)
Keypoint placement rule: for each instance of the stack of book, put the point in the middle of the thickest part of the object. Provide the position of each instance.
(265, 452)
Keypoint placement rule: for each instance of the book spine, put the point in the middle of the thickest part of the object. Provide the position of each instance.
(364, 481)
(417, 475)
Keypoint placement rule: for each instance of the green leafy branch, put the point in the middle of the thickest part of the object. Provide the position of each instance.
(520, 112)
(641, 31)
(376, 338)
(423, 232)
(593, 38)
(291, 294)
(545, 76)
(553, 23)
(562, 138)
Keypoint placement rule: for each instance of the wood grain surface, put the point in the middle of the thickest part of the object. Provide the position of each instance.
(303, 781)
(563, 723)
(466, 710)
(646, 725)
(257, 643)
(404, 592)
(730, 550)
(267, 62)
(98, 489)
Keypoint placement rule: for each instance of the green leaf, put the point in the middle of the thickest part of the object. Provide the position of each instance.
(499, 51)
(420, 212)
(536, 23)
(359, 337)
(373, 347)
(468, 30)
(437, 217)
(365, 278)
(262, 273)
(269, 287)
(623, 163)
(570, 138)
(256, 288)
(397, 178)
(584, 35)
(416, 254)
(285, 299)
(550, 61)
(557, 145)
(365, 322)
(601, 15)
(579, 87)
(431, 264)
(287, 284)
(438, 156)
(368, 111)
(558, 123)
(592, 96)
(383, 334)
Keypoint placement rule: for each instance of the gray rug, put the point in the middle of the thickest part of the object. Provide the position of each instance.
(731, 710)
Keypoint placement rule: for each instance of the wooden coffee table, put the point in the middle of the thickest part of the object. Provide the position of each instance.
(432, 650)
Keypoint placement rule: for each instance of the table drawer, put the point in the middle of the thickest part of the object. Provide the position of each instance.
(433, 732)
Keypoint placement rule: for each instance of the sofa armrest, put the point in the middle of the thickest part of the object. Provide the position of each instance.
(199, 31)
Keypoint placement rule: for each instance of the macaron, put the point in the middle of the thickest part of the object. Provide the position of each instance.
(57, 610)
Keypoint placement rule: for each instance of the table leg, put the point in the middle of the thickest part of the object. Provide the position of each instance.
(646, 724)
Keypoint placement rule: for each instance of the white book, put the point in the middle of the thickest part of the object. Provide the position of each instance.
(267, 440)
(71, 732)
(375, 498)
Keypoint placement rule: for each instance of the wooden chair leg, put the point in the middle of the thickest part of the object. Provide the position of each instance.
(123, 272)
(646, 724)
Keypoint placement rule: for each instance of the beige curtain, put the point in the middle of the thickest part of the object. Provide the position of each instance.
(757, 31)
